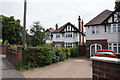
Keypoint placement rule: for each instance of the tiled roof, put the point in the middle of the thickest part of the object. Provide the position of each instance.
(99, 18)
(60, 29)
(51, 29)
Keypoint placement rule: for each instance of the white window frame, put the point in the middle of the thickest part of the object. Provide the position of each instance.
(95, 29)
(57, 35)
(112, 47)
(114, 29)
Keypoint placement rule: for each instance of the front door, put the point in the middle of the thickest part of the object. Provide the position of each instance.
(94, 48)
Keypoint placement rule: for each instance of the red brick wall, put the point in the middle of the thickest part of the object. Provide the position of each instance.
(62, 43)
(14, 56)
(105, 70)
(103, 43)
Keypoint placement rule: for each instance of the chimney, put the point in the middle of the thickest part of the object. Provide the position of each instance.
(79, 23)
(79, 26)
(82, 32)
(56, 26)
(43, 29)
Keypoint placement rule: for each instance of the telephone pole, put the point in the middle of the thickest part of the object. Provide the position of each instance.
(24, 24)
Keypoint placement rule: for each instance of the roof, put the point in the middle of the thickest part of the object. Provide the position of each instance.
(99, 18)
(62, 27)
(51, 29)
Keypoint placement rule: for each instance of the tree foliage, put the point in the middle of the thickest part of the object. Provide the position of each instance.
(117, 5)
(37, 37)
(11, 30)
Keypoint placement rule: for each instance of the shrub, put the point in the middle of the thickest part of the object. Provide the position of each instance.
(41, 56)
(74, 52)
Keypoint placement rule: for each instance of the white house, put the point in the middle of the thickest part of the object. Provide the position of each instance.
(103, 32)
(68, 35)
(49, 35)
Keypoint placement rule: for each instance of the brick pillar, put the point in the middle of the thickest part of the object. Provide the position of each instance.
(4, 49)
(19, 54)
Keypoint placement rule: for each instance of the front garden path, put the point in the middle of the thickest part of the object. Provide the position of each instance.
(71, 68)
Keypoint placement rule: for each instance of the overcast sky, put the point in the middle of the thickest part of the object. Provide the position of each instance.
(50, 12)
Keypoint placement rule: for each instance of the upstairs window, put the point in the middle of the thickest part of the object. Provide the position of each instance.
(68, 28)
(109, 28)
(97, 29)
(118, 29)
(68, 34)
(114, 29)
(93, 30)
(57, 36)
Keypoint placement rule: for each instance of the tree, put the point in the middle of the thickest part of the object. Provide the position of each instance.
(117, 4)
(11, 30)
(37, 37)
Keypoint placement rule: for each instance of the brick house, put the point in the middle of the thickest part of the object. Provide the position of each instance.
(103, 32)
(68, 35)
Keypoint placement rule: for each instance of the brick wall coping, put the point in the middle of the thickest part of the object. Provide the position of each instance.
(106, 59)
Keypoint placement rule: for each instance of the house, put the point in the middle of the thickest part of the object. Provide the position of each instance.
(103, 32)
(68, 35)
(49, 35)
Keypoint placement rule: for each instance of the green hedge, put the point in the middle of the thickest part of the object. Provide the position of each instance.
(41, 56)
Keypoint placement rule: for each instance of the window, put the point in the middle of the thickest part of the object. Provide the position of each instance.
(76, 34)
(62, 34)
(119, 24)
(114, 24)
(68, 28)
(115, 49)
(57, 36)
(118, 49)
(110, 48)
(118, 29)
(93, 30)
(68, 34)
(97, 29)
(68, 44)
(109, 28)
(114, 29)
(57, 45)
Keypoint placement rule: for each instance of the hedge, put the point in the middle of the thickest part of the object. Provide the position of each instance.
(41, 56)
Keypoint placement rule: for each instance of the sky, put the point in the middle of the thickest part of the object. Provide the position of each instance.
(50, 12)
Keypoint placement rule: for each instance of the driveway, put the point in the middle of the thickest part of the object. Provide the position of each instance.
(71, 68)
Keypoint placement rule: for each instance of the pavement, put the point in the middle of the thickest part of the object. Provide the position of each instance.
(8, 70)
(71, 68)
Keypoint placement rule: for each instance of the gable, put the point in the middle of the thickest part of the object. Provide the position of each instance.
(113, 18)
(68, 27)
(99, 18)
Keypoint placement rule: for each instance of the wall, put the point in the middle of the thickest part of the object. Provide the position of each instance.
(110, 36)
(14, 56)
(105, 69)
(103, 43)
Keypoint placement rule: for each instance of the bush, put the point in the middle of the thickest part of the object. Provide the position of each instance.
(41, 56)
(74, 52)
